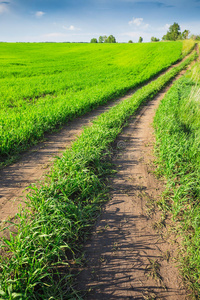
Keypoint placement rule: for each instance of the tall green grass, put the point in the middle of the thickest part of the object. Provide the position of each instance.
(177, 125)
(188, 45)
(45, 85)
(39, 258)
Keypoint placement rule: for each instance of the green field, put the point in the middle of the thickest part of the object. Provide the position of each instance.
(45, 85)
(61, 210)
(177, 124)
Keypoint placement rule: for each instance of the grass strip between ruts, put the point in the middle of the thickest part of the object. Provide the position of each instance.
(36, 260)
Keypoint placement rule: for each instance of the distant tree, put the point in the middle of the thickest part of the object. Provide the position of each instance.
(110, 39)
(94, 40)
(140, 40)
(173, 33)
(195, 37)
(154, 39)
(130, 41)
(185, 34)
(104, 38)
(101, 39)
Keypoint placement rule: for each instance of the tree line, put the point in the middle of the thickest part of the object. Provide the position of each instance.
(110, 39)
(173, 34)
(104, 39)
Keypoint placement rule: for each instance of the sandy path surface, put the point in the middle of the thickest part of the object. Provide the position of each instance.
(127, 258)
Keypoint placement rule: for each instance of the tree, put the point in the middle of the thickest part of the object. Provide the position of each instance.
(195, 37)
(130, 41)
(104, 38)
(140, 40)
(154, 39)
(173, 33)
(110, 39)
(101, 39)
(185, 34)
(94, 40)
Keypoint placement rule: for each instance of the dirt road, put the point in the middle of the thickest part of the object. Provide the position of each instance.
(128, 256)
(35, 163)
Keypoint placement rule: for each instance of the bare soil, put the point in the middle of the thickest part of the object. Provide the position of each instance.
(129, 255)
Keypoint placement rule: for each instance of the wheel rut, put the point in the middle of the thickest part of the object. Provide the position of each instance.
(126, 258)
(35, 163)
(129, 255)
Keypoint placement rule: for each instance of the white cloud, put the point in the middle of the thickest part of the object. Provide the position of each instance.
(131, 34)
(71, 27)
(136, 34)
(54, 35)
(62, 35)
(167, 26)
(162, 30)
(146, 26)
(136, 21)
(193, 27)
(3, 8)
(39, 14)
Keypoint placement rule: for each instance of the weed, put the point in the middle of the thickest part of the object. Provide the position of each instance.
(115, 247)
(148, 295)
(160, 224)
(166, 256)
(150, 205)
(153, 270)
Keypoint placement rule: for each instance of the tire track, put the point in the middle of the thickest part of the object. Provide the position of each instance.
(35, 163)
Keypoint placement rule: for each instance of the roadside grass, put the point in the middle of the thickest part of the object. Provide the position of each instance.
(39, 257)
(46, 85)
(188, 46)
(177, 126)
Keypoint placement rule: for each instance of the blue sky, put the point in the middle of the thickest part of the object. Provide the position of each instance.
(81, 20)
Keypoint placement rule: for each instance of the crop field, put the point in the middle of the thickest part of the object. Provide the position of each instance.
(61, 210)
(45, 85)
(177, 124)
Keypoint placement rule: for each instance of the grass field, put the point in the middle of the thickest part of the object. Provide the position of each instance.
(60, 211)
(177, 126)
(45, 85)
